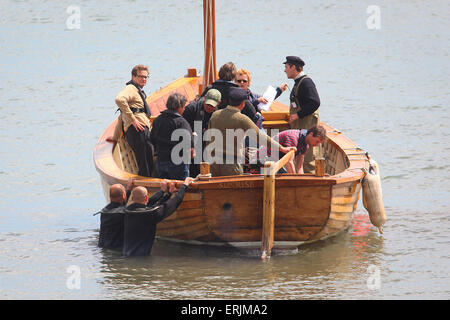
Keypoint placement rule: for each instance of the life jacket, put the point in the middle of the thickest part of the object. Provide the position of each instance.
(294, 98)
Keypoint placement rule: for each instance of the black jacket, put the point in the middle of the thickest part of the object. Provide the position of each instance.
(141, 221)
(306, 95)
(224, 88)
(163, 127)
(196, 112)
(111, 226)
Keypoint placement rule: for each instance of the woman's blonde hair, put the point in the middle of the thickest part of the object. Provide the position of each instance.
(245, 72)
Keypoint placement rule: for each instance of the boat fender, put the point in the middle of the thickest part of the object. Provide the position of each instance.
(373, 165)
(372, 198)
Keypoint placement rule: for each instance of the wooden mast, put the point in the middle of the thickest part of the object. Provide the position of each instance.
(209, 31)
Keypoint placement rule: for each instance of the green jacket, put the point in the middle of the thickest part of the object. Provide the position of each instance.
(232, 119)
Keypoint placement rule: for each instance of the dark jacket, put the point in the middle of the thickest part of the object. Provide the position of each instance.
(141, 220)
(196, 112)
(224, 88)
(111, 226)
(163, 127)
(305, 96)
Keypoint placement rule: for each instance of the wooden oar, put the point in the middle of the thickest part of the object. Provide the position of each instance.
(156, 182)
(268, 228)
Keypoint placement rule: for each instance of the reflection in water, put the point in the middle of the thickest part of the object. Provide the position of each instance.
(179, 271)
(361, 228)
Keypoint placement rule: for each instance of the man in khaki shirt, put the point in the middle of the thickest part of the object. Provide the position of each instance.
(134, 120)
(229, 157)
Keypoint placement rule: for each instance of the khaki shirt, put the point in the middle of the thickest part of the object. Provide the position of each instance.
(129, 98)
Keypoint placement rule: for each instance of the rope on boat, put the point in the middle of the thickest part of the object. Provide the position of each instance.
(202, 177)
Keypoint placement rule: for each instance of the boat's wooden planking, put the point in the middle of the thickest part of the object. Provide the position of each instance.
(344, 199)
(228, 216)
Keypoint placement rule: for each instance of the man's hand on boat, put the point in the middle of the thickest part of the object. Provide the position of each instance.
(172, 186)
(165, 186)
(293, 117)
(130, 184)
(188, 181)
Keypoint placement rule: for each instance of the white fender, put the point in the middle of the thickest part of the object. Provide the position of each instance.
(372, 198)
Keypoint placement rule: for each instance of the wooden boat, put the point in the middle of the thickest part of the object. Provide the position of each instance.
(229, 210)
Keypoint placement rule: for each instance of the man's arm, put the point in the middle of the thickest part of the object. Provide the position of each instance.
(189, 114)
(159, 196)
(155, 197)
(247, 124)
(280, 90)
(290, 167)
(169, 207)
(299, 163)
(270, 143)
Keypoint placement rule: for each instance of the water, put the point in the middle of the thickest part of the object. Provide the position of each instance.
(386, 89)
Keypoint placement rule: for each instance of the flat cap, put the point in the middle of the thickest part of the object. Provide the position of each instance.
(294, 60)
(236, 95)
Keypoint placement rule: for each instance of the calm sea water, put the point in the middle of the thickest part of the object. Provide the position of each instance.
(387, 89)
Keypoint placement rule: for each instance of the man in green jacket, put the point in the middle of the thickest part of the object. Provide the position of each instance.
(231, 126)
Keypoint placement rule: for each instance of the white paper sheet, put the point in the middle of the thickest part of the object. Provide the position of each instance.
(269, 95)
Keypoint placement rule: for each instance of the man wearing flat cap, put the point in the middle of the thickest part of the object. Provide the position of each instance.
(229, 156)
(305, 102)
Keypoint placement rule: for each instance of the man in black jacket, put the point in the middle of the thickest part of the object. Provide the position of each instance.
(305, 102)
(142, 216)
(197, 114)
(111, 217)
(173, 140)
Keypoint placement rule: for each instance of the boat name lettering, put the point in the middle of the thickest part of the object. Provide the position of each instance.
(238, 184)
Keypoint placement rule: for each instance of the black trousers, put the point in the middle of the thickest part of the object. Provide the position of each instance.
(139, 141)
